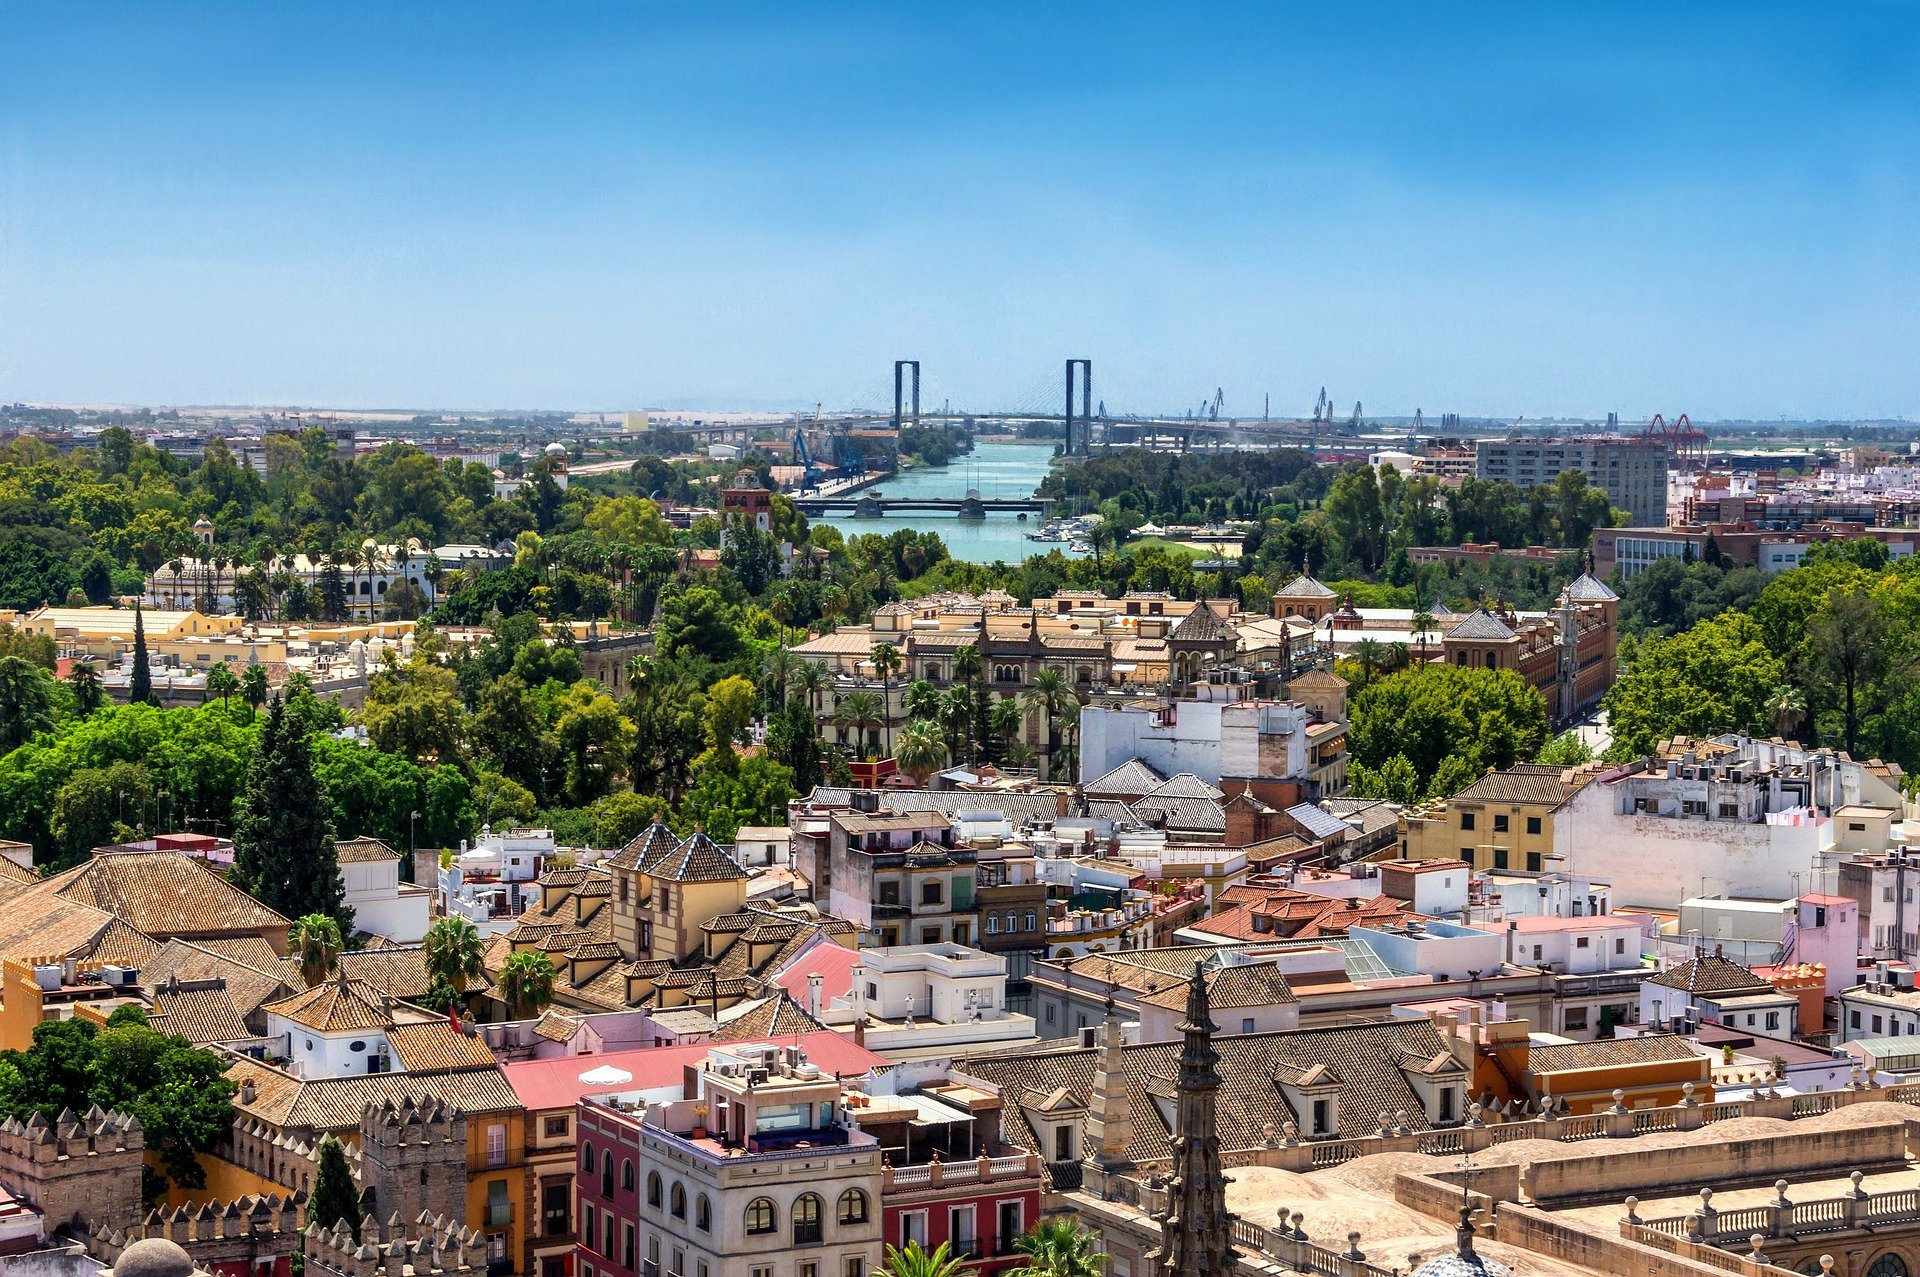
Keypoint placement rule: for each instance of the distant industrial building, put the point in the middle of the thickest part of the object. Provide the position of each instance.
(1632, 472)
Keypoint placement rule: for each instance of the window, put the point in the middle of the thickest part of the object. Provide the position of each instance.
(1773, 1019)
(1582, 942)
(1876, 1024)
(1533, 861)
(555, 1203)
(760, 1217)
(930, 893)
(679, 1263)
(1619, 945)
(808, 1269)
(1533, 824)
(1246, 1024)
(1499, 824)
(1576, 1019)
(499, 1205)
(1466, 820)
(496, 1146)
(1049, 1013)
(1536, 953)
(1446, 1104)
(1010, 1229)
(853, 1266)
(806, 1219)
(762, 1270)
(626, 1174)
(677, 1201)
(1063, 1140)
(653, 1189)
(1499, 857)
(703, 1214)
(556, 1128)
(1322, 1118)
(889, 893)
(993, 924)
(607, 1244)
(853, 1207)
(960, 1231)
(586, 1158)
(1854, 1019)
(586, 1224)
(606, 1175)
(913, 1227)
(1028, 925)
(626, 1245)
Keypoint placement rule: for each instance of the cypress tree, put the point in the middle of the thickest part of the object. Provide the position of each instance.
(283, 852)
(140, 690)
(334, 1196)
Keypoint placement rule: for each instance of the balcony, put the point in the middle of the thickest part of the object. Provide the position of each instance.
(970, 1171)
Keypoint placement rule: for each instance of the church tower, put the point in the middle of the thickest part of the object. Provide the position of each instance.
(1194, 1237)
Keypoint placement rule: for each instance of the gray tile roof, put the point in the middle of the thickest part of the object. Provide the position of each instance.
(1480, 624)
(1319, 823)
(1586, 589)
(1303, 587)
(1129, 780)
(1185, 785)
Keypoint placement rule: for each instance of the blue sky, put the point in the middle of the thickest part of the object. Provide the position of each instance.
(1487, 209)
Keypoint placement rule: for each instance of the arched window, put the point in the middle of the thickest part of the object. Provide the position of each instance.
(760, 1216)
(806, 1221)
(606, 1174)
(626, 1174)
(1888, 1265)
(703, 1214)
(853, 1207)
(586, 1157)
(653, 1189)
(677, 1201)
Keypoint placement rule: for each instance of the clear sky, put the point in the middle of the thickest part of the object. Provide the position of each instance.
(1536, 208)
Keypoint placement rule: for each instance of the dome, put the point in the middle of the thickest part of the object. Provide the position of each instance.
(556, 450)
(1451, 1264)
(154, 1257)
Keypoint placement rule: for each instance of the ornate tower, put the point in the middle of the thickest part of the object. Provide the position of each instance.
(1194, 1239)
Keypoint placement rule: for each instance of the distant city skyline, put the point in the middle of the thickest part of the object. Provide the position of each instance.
(1506, 211)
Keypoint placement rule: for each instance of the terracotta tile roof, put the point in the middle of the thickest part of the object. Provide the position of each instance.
(164, 894)
(1256, 984)
(123, 945)
(335, 1006)
(651, 843)
(1202, 625)
(1711, 973)
(433, 1047)
(335, 1104)
(36, 923)
(557, 1026)
(250, 949)
(249, 987)
(1364, 1061)
(11, 872)
(1529, 783)
(1246, 912)
(697, 859)
(202, 1012)
(359, 851)
(399, 972)
(774, 1017)
(1562, 1057)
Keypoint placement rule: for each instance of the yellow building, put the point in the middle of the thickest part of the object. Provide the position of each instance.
(1504, 820)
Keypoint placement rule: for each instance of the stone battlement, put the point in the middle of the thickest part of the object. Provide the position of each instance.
(242, 1231)
(75, 1169)
(433, 1245)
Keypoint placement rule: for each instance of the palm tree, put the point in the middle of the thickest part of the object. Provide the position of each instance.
(916, 1261)
(1787, 707)
(862, 712)
(1101, 536)
(85, 680)
(1370, 656)
(1422, 622)
(253, 685)
(453, 953)
(526, 984)
(956, 716)
(1069, 738)
(1058, 1248)
(886, 663)
(222, 683)
(776, 673)
(1006, 720)
(808, 680)
(919, 749)
(966, 663)
(316, 945)
(1050, 695)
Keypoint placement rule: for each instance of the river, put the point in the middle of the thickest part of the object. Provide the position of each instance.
(997, 470)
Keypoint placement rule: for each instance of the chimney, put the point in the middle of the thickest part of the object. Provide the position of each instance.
(813, 995)
(860, 1030)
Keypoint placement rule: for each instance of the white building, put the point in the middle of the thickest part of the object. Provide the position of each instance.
(1210, 739)
(922, 999)
(1442, 950)
(491, 884)
(382, 905)
(1732, 817)
(344, 1028)
(365, 579)
(1576, 946)
(762, 846)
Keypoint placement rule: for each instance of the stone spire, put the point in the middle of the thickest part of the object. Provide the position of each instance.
(1110, 1119)
(1194, 1239)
